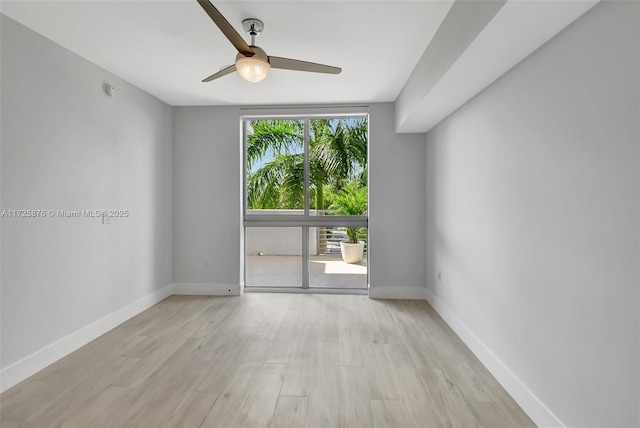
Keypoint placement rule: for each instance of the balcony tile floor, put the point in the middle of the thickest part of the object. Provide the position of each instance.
(325, 271)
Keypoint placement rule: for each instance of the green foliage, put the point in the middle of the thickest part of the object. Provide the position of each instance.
(279, 136)
(279, 183)
(337, 155)
(350, 200)
(340, 149)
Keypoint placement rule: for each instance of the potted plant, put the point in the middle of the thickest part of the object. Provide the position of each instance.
(351, 200)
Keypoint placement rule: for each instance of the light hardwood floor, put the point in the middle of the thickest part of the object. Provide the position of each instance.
(268, 360)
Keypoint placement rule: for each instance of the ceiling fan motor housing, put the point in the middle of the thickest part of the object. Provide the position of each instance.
(253, 26)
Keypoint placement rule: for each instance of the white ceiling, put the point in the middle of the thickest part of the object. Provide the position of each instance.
(167, 47)
(500, 35)
(429, 56)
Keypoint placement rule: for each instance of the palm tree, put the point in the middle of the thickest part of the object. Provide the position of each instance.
(337, 156)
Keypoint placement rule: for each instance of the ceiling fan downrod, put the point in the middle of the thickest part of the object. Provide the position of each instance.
(253, 27)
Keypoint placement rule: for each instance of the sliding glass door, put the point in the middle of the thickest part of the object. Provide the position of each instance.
(305, 202)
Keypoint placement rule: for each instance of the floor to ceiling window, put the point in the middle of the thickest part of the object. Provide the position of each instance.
(305, 202)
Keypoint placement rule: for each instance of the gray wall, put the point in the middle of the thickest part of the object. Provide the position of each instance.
(532, 218)
(396, 208)
(207, 186)
(65, 145)
(207, 200)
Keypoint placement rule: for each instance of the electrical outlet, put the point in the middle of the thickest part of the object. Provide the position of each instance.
(205, 263)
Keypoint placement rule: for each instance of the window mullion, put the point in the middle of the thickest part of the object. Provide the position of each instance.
(306, 168)
(305, 229)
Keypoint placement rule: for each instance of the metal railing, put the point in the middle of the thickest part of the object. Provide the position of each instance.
(329, 239)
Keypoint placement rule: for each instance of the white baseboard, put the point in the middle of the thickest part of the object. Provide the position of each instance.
(409, 293)
(204, 289)
(30, 365)
(537, 411)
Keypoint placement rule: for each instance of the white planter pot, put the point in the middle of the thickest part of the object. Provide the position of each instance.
(352, 253)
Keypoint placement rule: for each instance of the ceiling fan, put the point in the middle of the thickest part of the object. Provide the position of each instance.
(253, 63)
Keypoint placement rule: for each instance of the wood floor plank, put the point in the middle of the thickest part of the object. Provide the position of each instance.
(99, 411)
(214, 316)
(467, 382)
(323, 399)
(386, 325)
(227, 343)
(290, 412)
(445, 343)
(388, 414)
(227, 408)
(150, 363)
(175, 389)
(383, 383)
(263, 308)
(136, 401)
(272, 320)
(355, 403)
(192, 410)
(268, 360)
(511, 409)
(328, 320)
(6, 423)
(70, 398)
(452, 408)
(364, 312)
(343, 302)
(489, 414)
(473, 380)
(21, 400)
(419, 347)
(349, 339)
(21, 395)
(299, 376)
(225, 350)
(174, 367)
(261, 401)
(284, 342)
(421, 410)
(311, 308)
(219, 374)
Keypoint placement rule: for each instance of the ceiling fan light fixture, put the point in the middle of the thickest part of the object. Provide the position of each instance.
(253, 69)
(252, 63)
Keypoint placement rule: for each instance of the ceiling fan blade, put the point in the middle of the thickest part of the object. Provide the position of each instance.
(226, 28)
(294, 64)
(223, 72)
